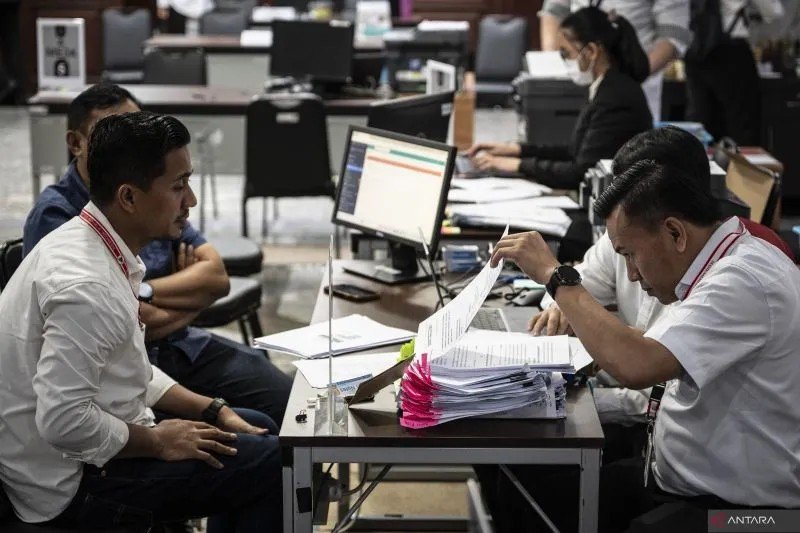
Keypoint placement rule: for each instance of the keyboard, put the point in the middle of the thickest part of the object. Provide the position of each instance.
(490, 318)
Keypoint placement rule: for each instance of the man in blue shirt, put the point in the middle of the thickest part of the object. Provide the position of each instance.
(183, 277)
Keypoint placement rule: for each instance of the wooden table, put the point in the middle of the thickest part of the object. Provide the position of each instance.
(375, 435)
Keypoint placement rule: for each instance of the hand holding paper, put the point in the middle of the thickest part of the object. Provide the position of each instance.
(530, 252)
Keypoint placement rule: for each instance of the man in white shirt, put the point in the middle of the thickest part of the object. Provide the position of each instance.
(725, 434)
(79, 445)
(662, 27)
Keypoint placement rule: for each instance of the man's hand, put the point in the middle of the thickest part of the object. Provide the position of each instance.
(228, 420)
(484, 161)
(529, 252)
(185, 439)
(551, 320)
(510, 149)
(185, 256)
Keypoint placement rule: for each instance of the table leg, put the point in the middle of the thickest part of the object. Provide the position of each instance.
(302, 490)
(589, 490)
(288, 498)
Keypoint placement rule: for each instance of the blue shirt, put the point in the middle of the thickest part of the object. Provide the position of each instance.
(61, 202)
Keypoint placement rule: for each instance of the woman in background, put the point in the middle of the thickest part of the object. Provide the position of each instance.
(603, 52)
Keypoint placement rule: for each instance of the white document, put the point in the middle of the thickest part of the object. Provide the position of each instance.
(492, 183)
(516, 210)
(546, 65)
(256, 38)
(519, 213)
(346, 368)
(440, 331)
(443, 25)
(580, 357)
(350, 334)
(761, 159)
(269, 13)
(486, 351)
(558, 202)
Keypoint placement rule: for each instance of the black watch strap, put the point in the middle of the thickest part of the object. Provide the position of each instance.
(211, 413)
(562, 275)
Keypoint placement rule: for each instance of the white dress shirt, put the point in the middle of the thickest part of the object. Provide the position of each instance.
(729, 425)
(605, 277)
(73, 366)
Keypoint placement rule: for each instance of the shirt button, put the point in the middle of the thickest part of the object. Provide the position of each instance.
(102, 473)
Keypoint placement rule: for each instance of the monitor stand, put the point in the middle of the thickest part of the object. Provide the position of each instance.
(402, 267)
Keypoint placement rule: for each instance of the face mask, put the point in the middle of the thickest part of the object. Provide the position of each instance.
(578, 76)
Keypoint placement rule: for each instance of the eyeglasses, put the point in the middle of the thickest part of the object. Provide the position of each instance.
(565, 54)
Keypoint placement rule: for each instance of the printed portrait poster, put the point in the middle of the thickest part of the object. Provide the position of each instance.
(61, 53)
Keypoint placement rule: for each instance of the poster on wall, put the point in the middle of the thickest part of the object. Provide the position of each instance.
(61, 53)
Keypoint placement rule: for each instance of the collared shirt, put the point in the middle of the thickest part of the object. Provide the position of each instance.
(73, 366)
(652, 19)
(593, 87)
(605, 277)
(728, 425)
(63, 201)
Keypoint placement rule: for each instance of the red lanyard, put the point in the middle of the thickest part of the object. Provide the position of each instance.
(110, 243)
(719, 252)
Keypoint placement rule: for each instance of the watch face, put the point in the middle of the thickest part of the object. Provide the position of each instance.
(145, 291)
(568, 275)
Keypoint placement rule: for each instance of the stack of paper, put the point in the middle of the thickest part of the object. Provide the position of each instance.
(487, 372)
(350, 334)
(484, 190)
(523, 214)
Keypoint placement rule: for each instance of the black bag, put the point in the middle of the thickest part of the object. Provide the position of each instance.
(706, 26)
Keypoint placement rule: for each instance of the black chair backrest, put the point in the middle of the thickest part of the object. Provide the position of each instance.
(123, 35)
(502, 42)
(10, 258)
(175, 68)
(287, 147)
(227, 21)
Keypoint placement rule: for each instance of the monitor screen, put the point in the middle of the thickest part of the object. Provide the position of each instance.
(393, 186)
(426, 116)
(319, 51)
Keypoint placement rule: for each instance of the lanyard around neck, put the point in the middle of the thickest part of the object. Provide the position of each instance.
(109, 241)
(719, 252)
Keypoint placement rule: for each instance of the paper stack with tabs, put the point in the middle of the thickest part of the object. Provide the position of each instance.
(457, 373)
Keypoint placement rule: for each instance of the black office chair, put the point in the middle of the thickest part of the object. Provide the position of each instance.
(502, 42)
(10, 258)
(240, 305)
(286, 150)
(175, 68)
(123, 35)
(225, 21)
(241, 256)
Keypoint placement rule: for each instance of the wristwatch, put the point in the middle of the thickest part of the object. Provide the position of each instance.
(145, 292)
(211, 413)
(562, 275)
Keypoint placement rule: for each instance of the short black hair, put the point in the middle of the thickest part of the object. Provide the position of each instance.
(100, 96)
(661, 173)
(661, 145)
(131, 148)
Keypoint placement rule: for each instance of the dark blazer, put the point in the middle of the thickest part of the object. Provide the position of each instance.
(618, 112)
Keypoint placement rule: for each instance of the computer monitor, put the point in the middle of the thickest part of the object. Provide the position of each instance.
(312, 51)
(394, 186)
(426, 116)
